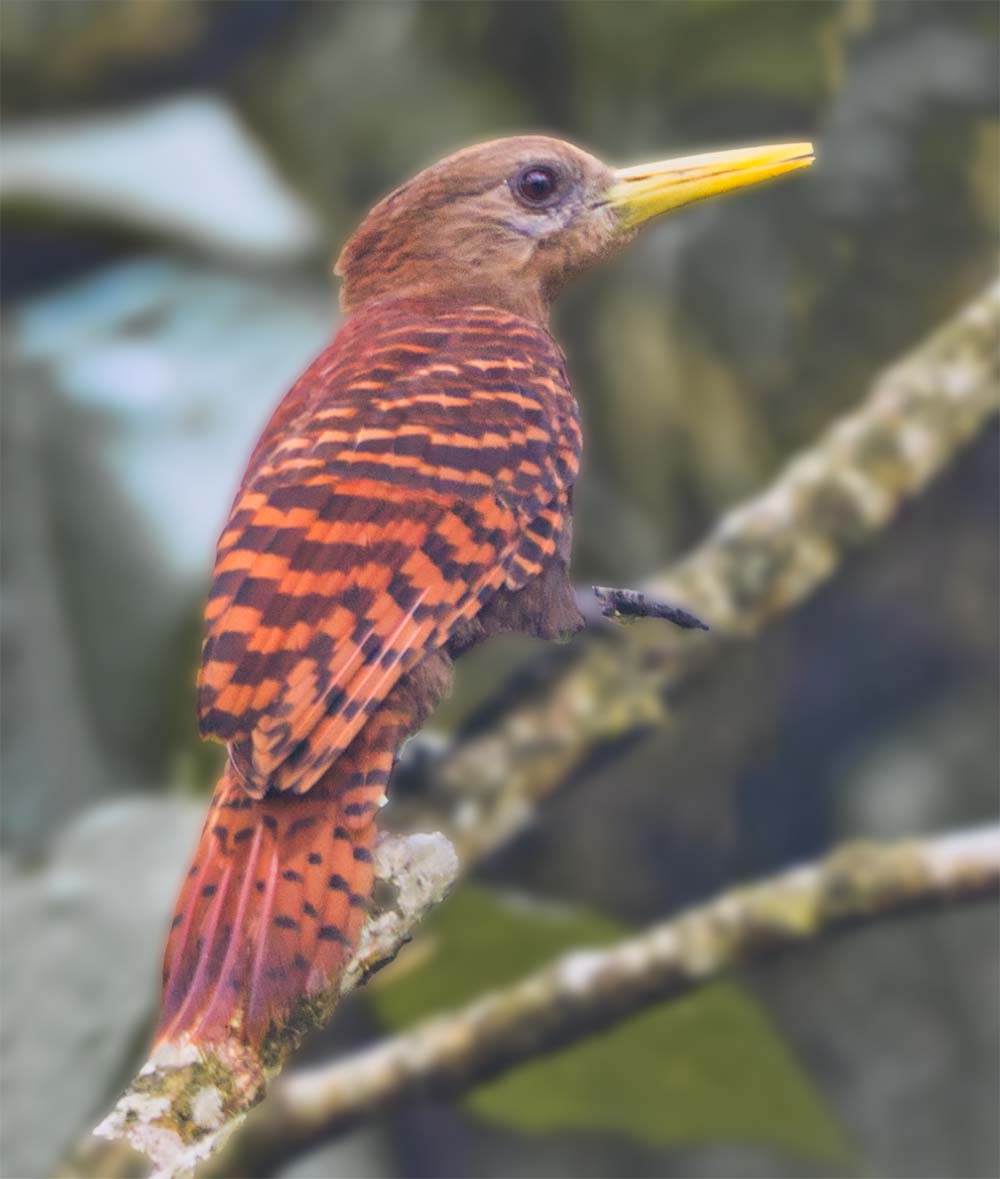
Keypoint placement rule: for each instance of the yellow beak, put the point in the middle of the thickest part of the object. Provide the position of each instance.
(651, 189)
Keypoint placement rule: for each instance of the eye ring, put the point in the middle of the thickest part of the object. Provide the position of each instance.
(537, 186)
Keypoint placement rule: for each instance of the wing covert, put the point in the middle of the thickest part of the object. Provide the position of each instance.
(403, 487)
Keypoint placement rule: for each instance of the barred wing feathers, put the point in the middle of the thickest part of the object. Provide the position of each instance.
(422, 463)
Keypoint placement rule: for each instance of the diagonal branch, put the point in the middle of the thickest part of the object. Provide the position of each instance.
(186, 1100)
(763, 558)
(589, 990)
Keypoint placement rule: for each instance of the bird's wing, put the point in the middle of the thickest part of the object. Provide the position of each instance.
(423, 463)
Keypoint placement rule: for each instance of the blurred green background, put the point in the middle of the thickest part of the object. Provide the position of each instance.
(176, 175)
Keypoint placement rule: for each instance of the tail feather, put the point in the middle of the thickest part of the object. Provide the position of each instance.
(274, 903)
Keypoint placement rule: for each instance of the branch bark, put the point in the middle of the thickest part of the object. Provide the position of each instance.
(589, 990)
(186, 1101)
(764, 557)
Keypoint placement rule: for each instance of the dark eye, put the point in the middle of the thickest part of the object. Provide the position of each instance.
(537, 185)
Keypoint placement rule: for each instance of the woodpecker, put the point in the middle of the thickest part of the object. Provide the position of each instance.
(410, 496)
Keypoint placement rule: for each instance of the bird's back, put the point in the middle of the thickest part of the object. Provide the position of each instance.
(413, 483)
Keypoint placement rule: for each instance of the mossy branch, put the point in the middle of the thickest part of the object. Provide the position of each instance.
(186, 1101)
(588, 990)
(762, 559)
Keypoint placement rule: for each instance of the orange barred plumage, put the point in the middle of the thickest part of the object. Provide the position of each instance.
(411, 495)
(410, 486)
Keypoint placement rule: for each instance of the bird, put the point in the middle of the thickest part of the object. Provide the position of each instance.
(410, 496)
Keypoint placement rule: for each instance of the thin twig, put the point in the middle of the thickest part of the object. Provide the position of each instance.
(588, 990)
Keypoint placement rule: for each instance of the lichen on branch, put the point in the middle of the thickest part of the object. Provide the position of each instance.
(588, 990)
(187, 1099)
(763, 558)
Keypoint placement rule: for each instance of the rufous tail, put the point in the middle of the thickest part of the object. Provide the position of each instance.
(277, 895)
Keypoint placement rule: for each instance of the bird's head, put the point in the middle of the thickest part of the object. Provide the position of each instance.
(510, 222)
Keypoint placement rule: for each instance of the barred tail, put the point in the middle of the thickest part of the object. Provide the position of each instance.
(276, 897)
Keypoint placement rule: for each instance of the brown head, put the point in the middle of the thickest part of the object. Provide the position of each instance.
(508, 223)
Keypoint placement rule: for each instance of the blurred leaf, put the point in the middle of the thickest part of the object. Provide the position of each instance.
(984, 171)
(702, 49)
(707, 1068)
(65, 49)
